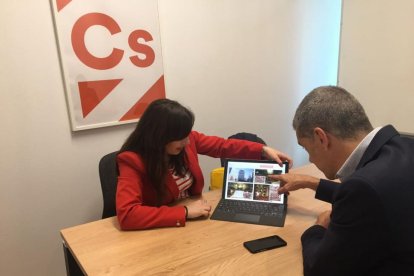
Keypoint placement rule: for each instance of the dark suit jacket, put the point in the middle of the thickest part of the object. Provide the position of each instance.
(372, 222)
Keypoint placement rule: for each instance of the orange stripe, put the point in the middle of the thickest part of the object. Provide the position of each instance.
(60, 4)
(157, 91)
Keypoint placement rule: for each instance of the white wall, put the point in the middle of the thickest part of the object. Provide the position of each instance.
(240, 65)
(377, 59)
(244, 65)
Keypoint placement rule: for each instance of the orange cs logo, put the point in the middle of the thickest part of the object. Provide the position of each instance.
(114, 58)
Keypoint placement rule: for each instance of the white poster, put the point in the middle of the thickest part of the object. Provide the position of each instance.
(111, 59)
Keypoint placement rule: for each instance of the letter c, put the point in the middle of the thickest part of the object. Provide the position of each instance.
(78, 41)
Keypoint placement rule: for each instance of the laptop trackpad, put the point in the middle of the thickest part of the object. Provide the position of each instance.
(247, 217)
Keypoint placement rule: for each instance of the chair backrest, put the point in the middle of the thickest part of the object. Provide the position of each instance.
(108, 174)
(245, 136)
(407, 135)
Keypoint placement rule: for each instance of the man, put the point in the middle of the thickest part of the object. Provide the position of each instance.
(370, 230)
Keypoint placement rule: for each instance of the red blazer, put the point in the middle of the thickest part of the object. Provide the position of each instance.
(136, 197)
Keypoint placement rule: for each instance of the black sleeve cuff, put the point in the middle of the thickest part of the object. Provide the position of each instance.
(326, 190)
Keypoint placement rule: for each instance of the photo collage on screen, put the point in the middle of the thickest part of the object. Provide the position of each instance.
(253, 184)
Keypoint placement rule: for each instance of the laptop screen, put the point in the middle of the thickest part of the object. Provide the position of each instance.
(248, 180)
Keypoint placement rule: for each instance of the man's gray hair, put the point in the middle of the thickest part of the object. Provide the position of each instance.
(333, 109)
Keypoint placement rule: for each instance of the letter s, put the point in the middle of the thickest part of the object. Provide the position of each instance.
(141, 48)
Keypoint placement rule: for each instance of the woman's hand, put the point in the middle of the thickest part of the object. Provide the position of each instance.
(278, 156)
(198, 208)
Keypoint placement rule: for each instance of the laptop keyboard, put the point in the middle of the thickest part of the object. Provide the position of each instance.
(266, 209)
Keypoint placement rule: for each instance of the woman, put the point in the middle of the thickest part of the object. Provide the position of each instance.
(158, 165)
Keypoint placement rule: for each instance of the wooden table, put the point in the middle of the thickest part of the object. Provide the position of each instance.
(202, 247)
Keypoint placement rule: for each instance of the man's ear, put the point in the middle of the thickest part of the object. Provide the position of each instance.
(321, 137)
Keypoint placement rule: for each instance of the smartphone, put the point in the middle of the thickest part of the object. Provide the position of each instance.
(264, 244)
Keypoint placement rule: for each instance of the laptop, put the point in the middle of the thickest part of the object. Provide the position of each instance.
(249, 195)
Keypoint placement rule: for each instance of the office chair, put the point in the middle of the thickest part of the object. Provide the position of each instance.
(108, 174)
(407, 135)
(216, 175)
(245, 136)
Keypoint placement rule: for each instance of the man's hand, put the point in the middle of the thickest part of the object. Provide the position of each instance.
(324, 219)
(292, 182)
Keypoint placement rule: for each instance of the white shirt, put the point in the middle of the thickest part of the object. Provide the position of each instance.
(353, 160)
(183, 184)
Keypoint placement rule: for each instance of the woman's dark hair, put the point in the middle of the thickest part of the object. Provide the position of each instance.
(163, 121)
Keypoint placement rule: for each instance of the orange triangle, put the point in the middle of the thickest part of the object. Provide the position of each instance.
(93, 92)
(157, 91)
(60, 4)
